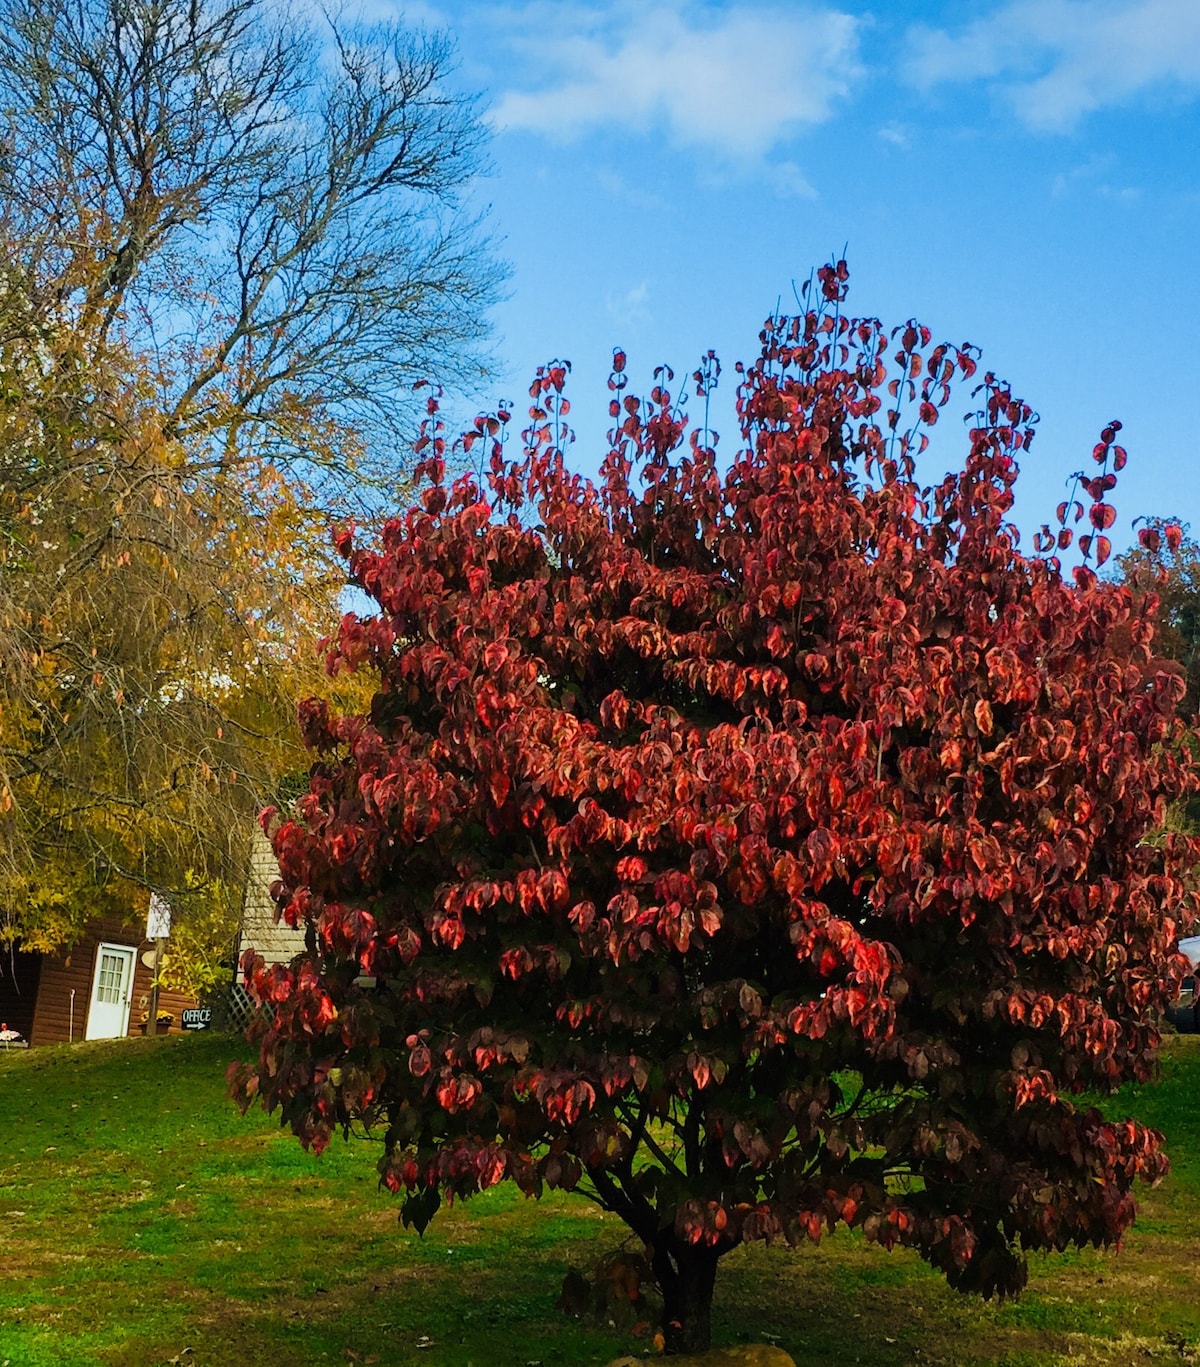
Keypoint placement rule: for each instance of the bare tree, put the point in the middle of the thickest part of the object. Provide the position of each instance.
(274, 210)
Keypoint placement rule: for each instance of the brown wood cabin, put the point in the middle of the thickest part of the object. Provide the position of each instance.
(98, 989)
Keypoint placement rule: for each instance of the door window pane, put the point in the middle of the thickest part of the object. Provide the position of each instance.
(112, 975)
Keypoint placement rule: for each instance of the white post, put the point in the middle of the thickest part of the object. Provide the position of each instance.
(158, 927)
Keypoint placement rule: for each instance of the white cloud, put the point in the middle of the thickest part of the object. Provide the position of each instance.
(1093, 177)
(637, 197)
(732, 81)
(896, 134)
(789, 182)
(629, 311)
(1058, 60)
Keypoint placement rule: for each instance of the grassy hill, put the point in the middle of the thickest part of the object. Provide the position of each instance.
(144, 1221)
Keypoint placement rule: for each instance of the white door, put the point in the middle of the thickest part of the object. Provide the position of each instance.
(112, 984)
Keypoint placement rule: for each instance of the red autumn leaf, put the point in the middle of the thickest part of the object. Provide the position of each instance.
(494, 655)
(499, 785)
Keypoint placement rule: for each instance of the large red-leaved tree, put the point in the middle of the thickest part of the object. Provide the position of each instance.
(753, 850)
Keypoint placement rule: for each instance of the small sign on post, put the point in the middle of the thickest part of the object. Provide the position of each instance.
(158, 919)
(196, 1018)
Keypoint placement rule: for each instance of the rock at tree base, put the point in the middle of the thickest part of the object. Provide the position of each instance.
(744, 1355)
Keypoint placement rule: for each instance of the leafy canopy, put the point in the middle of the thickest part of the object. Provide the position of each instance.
(225, 236)
(752, 851)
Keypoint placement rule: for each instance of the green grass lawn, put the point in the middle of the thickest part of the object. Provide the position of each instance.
(143, 1221)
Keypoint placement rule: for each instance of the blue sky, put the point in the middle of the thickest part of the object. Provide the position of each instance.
(1022, 174)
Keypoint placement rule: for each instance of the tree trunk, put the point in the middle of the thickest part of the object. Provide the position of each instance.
(685, 1274)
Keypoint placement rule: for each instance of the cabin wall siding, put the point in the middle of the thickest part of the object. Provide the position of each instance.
(52, 1017)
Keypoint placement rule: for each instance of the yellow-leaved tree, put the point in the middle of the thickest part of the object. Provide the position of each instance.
(230, 243)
